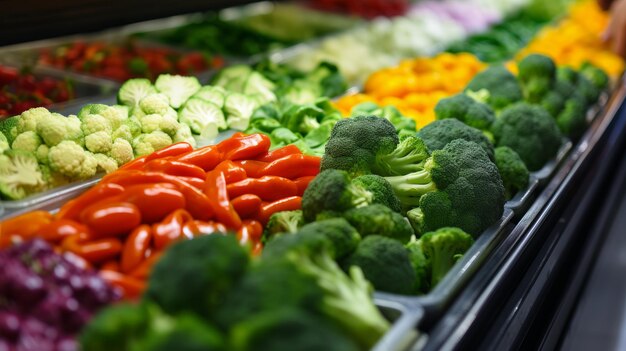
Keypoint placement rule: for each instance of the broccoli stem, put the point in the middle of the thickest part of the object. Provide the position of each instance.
(360, 196)
(348, 299)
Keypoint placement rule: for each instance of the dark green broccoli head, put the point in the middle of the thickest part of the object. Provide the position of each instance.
(273, 283)
(567, 74)
(552, 102)
(466, 110)
(572, 120)
(286, 329)
(380, 189)
(530, 131)
(343, 237)
(564, 87)
(587, 89)
(502, 86)
(438, 134)
(206, 268)
(512, 170)
(355, 143)
(188, 333)
(421, 266)
(536, 75)
(306, 244)
(469, 192)
(283, 222)
(385, 263)
(332, 190)
(442, 249)
(596, 75)
(380, 220)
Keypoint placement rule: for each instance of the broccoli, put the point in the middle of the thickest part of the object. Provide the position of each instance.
(420, 264)
(442, 249)
(512, 170)
(355, 143)
(20, 174)
(342, 236)
(381, 190)
(462, 185)
(530, 131)
(553, 102)
(8, 127)
(185, 333)
(572, 120)
(206, 267)
(596, 75)
(286, 329)
(385, 263)
(466, 110)
(536, 75)
(332, 190)
(283, 222)
(437, 134)
(502, 86)
(178, 89)
(380, 220)
(273, 283)
(580, 83)
(28, 141)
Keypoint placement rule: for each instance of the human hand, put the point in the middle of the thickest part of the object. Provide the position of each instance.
(616, 30)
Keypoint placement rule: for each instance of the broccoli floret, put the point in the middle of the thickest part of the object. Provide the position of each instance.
(343, 237)
(572, 120)
(286, 329)
(380, 220)
(273, 283)
(121, 151)
(442, 249)
(8, 127)
(28, 141)
(307, 243)
(420, 264)
(98, 142)
(177, 88)
(437, 134)
(466, 110)
(381, 190)
(355, 143)
(596, 75)
(20, 174)
(385, 263)
(512, 170)
(536, 75)
(206, 267)
(184, 333)
(552, 102)
(530, 131)
(283, 222)
(332, 190)
(502, 86)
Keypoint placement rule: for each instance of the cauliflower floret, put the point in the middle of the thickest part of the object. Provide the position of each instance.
(116, 115)
(123, 132)
(148, 143)
(4, 143)
(150, 123)
(42, 153)
(28, 141)
(95, 123)
(90, 166)
(52, 179)
(30, 118)
(67, 158)
(105, 163)
(98, 142)
(121, 151)
(169, 125)
(57, 128)
(155, 104)
(135, 126)
(184, 134)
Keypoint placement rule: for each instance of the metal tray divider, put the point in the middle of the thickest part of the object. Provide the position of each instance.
(403, 332)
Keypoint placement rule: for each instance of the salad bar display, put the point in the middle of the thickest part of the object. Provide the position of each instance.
(336, 185)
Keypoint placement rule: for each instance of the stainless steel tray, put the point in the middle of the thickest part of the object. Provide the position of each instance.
(438, 298)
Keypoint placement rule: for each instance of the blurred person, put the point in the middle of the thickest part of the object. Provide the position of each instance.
(616, 30)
